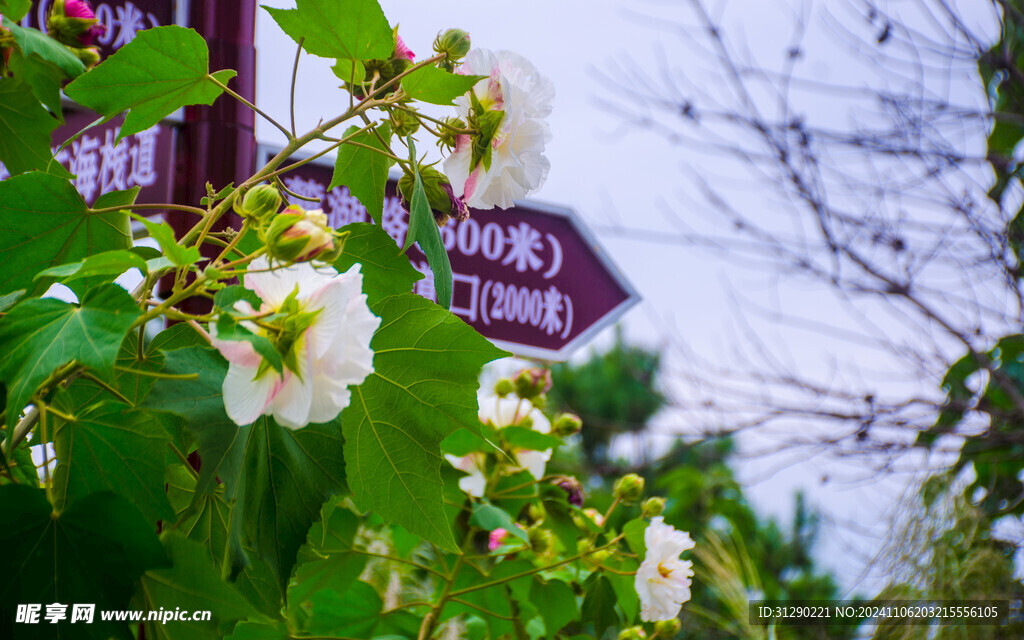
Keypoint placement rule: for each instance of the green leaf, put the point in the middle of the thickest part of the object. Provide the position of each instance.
(386, 271)
(43, 78)
(464, 442)
(8, 300)
(599, 604)
(25, 128)
(44, 222)
(624, 585)
(363, 171)
(15, 9)
(39, 336)
(93, 552)
(112, 448)
(108, 263)
(336, 574)
(33, 42)
(351, 71)
(634, 531)
(489, 517)
(164, 235)
(556, 603)
(352, 29)
(228, 296)
(200, 401)
(158, 72)
(260, 631)
(437, 86)
(191, 583)
(353, 614)
(426, 363)
(523, 438)
(230, 329)
(423, 230)
(283, 480)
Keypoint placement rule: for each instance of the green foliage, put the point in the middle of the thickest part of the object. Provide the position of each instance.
(93, 552)
(44, 223)
(351, 29)
(158, 72)
(394, 466)
(364, 171)
(25, 128)
(613, 393)
(112, 448)
(423, 230)
(385, 271)
(437, 86)
(39, 336)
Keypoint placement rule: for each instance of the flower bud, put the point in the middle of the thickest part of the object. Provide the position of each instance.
(73, 23)
(90, 56)
(453, 43)
(503, 387)
(403, 123)
(668, 628)
(259, 202)
(443, 201)
(295, 235)
(542, 540)
(531, 383)
(566, 424)
(572, 488)
(595, 515)
(633, 633)
(535, 513)
(652, 507)
(628, 488)
(447, 137)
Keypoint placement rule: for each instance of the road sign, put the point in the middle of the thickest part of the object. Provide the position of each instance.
(122, 18)
(531, 278)
(102, 164)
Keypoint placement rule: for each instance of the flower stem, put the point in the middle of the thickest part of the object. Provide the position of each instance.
(256, 109)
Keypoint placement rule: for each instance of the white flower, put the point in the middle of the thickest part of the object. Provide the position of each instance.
(663, 579)
(473, 464)
(517, 163)
(332, 353)
(511, 411)
(503, 412)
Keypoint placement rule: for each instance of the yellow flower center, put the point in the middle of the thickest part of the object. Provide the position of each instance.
(665, 572)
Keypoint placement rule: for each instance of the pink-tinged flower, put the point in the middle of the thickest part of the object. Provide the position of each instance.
(663, 579)
(594, 515)
(494, 540)
(83, 10)
(329, 354)
(401, 51)
(505, 160)
(74, 23)
(297, 235)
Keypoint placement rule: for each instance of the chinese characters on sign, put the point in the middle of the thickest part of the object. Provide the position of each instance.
(529, 277)
(122, 18)
(101, 163)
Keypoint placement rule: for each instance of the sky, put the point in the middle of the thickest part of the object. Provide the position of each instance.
(614, 174)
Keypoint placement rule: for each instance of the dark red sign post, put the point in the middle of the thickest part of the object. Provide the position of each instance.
(530, 278)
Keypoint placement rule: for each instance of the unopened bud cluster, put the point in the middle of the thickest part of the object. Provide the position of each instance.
(74, 24)
(454, 44)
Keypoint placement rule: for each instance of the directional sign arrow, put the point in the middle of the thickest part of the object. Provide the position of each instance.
(532, 278)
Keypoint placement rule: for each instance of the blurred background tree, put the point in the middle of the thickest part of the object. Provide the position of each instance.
(884, 138)
(740, 556)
